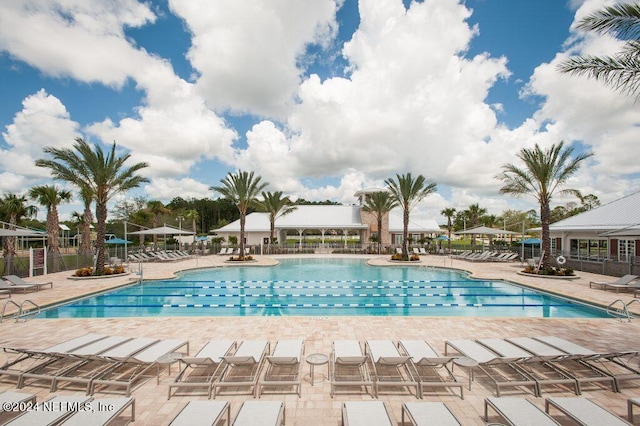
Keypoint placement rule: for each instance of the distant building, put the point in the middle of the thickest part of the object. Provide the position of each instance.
(331, 220)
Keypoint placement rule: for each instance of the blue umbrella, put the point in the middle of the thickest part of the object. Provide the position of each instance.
(202, 238)
(531, 241)
(115, 241)
(442, 238)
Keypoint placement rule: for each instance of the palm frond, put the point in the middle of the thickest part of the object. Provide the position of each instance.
(622, 20)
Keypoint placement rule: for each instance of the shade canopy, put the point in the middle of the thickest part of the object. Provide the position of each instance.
(115, 241)
(20, 233)
(442, 238)
(485, 230)
(202, 238)
(162, 230)
(531, 241)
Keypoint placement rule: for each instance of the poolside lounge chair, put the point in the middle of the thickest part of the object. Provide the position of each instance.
(242, 369)
(518, 411)
(500, 370)
(202, 413)
(283, 366)
(429, 413)
(13, 403)
(200, 370)
(17, 281)
(52, 411)
(423, 251)
(4, 286)
(260, 413)
(128, 371)
(96, 417)
(431, 369)
(348, 366)
(365, 413)
(621, 283)
(631, 402)
(390, 368)
(615, 366)
(534, 363)
(584, 411)
(95, 365)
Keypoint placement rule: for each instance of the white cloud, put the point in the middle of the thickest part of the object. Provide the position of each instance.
(246, 52)
(167, 189)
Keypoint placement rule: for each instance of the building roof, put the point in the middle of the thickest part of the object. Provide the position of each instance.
(621, 213)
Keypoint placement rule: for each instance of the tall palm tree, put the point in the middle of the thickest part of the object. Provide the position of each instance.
(13, 208)
(621, 71)
(277, 206)
(407, 192)
(104, 173)
(449, 213)
(50, 196)
(473, 214)
(87, 217)
(544, 174)
(156, 209)
(242, 189)
(193, 215)
(380, 204)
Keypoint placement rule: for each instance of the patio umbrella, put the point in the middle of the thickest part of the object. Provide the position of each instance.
(442, 238)
(163, 230)
(116, 242)
(531, 241)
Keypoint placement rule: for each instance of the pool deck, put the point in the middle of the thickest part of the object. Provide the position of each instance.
(316, 407)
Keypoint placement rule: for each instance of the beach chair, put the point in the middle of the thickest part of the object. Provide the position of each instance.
(631, 402)
(17, 281)
(129, 371)
(431, 369)
(535, 363)
(423, 251)
(501, 371)
(621, 283)
(51, 412)
(283, 366)
(4, 286)
(365, 413)
(200, 370)
(428, 413)
(260, 413)
(103, 411)
(389, 367)
(348, 366)
(584, 411)
(66, 361)
(242, 369)
(202, 413)
(517, 411)
(95, 365)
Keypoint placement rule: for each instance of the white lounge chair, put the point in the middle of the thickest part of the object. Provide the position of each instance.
(348, 366)
(260, 413)
(202, 413)
(390, 368)
(621, 283)
(242, 369)
(429, 413)
(631, 402)
(52, 411)
(17, 281)
(584, 411)
(365, 413)
(201, 369)
(112, 408)
(283, 366)
(517, 411)
(428, 366)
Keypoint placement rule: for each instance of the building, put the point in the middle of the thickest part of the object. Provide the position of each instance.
(606, 238)
(330, 222)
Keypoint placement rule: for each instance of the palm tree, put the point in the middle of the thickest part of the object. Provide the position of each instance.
(449, 213)
(87, 217)
(544, 174)
(193, 215)
(621, 71)
(473, 215)
(407, 192)
(242, 189)
(380, 204)
(104, 173)
(156, 209)
(277, 206)
(13, 209)
(50, 196)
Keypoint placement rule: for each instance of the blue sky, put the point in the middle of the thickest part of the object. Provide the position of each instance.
(320, 98)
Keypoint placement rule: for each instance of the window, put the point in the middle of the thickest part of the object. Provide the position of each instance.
(626, 250)
(588, 249)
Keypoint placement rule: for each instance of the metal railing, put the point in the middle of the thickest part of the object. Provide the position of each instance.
(21, 314)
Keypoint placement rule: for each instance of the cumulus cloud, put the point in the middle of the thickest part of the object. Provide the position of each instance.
(167, 189)
(246, 53)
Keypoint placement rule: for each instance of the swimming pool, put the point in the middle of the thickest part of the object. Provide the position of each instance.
(324, 287)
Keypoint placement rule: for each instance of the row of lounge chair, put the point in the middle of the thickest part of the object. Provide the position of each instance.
(13, 283)
(95, 361)
(228, 251)
(487, 256)
(532, 363)
(159, 256)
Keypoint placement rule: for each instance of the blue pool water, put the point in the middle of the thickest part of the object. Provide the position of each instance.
(324, 287)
